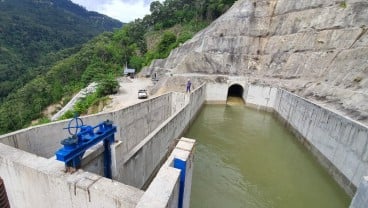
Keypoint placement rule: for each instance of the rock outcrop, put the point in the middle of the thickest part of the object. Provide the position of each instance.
(316, 48)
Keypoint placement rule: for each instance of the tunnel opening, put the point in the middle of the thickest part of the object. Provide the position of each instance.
(235, 95)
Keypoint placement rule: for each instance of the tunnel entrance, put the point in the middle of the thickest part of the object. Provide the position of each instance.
(235, 95)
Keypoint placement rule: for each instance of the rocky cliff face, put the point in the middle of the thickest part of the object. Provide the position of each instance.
(315, 48)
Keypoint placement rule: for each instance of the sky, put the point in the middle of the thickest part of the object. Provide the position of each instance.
(123, 10)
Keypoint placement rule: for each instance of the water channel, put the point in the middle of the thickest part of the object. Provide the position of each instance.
(246, 158)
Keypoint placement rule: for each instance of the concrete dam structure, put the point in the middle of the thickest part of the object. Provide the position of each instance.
(304, 61)
(148, 140)
(147, 135)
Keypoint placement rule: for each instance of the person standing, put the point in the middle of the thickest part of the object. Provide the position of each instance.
(189, 84)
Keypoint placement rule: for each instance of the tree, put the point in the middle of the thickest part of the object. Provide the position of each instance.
(166, 43)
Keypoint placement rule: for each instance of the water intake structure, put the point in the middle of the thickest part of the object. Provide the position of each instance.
(247, 158)
(235, 95)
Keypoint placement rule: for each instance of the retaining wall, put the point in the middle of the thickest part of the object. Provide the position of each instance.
(339, 143)
(33, 181)
(148, 133)
(138, 165)
(360, 199)
(134, 124)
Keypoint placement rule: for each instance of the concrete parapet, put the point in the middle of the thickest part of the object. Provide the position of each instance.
(360, 199)
(164, 189)
(33, 181)
(134, 124)
(339, 143)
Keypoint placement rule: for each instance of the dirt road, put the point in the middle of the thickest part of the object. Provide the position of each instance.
(128, 93)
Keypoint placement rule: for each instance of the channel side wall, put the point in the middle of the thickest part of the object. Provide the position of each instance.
(134, 124)
(33, 181)
(261, 97)
(138, 166)
(216, 93)
(164, 190)
(339, 143)
(360, 199)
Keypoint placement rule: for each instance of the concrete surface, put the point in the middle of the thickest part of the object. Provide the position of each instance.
(33, 181)
(360, 199)
(148, 131)
(315, 48)
(136, 166)
(151, 129)
(164, 189)
(134, 124)
(338, 142)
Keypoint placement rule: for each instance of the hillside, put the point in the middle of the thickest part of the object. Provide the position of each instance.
(35, 33)
(316, 49)
(170, 24)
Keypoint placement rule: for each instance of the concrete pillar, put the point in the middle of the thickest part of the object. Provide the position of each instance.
(164, 190)
(360, 199)
(186, 154)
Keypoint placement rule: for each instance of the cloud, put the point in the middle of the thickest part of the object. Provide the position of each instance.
(123, 10)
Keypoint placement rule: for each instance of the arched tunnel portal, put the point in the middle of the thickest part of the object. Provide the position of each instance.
(235, 94)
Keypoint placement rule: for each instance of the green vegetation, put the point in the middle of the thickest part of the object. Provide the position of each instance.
(108, 85)
(190, 15)
(36, 34)
(94, 62)
(102, 59)
(343, 4)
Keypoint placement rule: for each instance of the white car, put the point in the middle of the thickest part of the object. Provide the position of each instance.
(142, 94)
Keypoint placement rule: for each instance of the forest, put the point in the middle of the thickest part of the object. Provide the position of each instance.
(104, 57)
(36, 34)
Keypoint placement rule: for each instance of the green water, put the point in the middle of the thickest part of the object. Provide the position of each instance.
(246, 158)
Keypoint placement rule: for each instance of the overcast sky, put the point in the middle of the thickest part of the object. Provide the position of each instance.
(123, 10)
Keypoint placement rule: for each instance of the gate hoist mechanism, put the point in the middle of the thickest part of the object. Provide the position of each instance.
(84, 137)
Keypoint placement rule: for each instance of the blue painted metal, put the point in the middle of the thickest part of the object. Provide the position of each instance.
(88, 136)
(182, 165)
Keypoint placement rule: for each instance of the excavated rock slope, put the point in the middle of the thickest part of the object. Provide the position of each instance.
(317, 49)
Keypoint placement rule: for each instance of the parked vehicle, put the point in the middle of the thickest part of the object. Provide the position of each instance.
(142, 94)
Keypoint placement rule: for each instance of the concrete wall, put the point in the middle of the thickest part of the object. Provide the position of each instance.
(134, 124)
(216, 93)
(340, 144)
(136, 167)
(164, 190)
(261, 97)
(149, 131)
(360, 199)
(39, 182)
(257, 96)
(33, 181)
